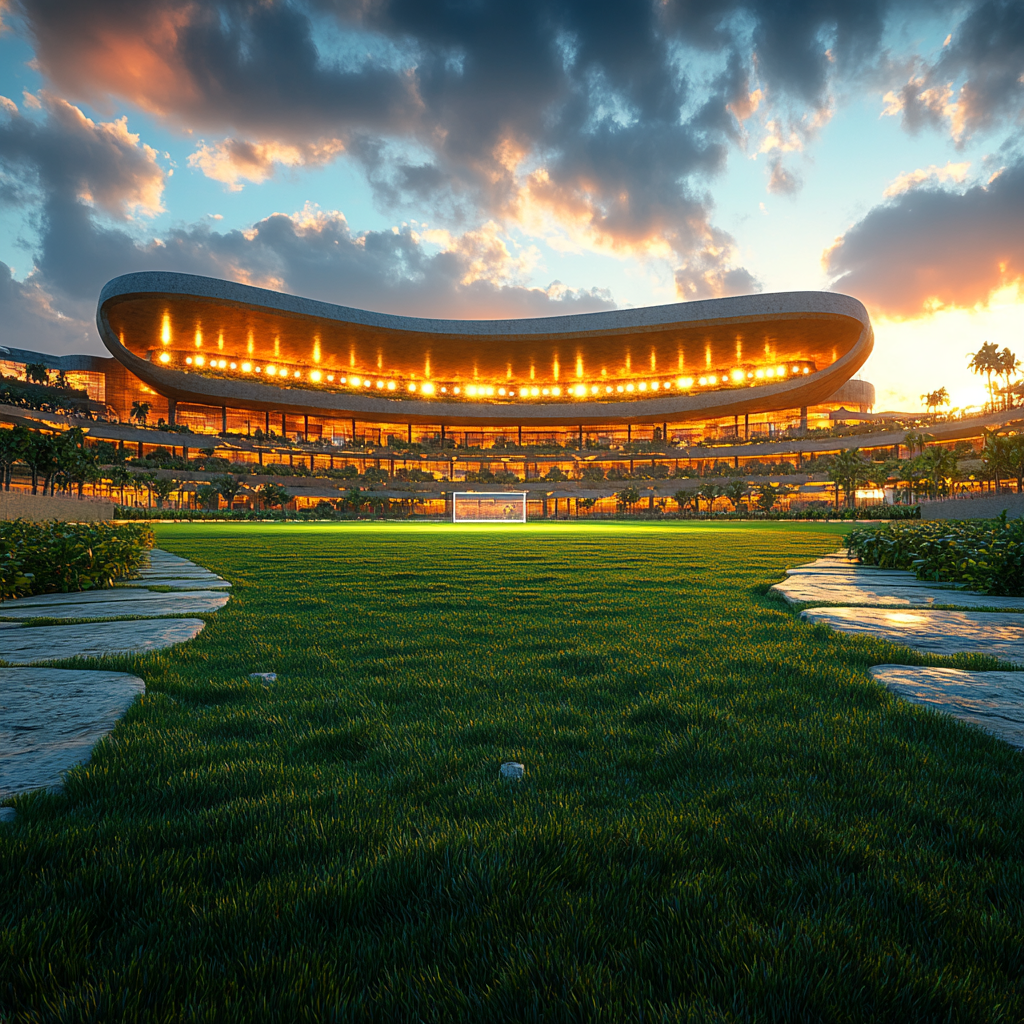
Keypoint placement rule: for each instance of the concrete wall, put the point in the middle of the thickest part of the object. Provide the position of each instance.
(986, 506)
(38, 507)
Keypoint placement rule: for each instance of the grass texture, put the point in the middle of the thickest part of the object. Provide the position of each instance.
(723, 818)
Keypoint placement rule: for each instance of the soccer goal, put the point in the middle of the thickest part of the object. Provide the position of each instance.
(477, 507)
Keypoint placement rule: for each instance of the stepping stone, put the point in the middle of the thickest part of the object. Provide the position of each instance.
(107, 604)
(211, 583)
(997, 634)
(94, 640)
(863, 590)
(50, 719)
(992, 700)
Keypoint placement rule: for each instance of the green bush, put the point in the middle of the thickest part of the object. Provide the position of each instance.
(983, 555)
(44, 558)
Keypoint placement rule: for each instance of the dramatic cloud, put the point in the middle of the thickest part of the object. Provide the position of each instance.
(31, 320)
(232, 160)
(951, 172)
(985, 55)
(69, 154)
(591, 120)
(929, 247)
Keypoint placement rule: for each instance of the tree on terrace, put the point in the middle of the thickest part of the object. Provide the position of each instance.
(628, 498)
(229, 486)
(140, 412)
(736, 492)
(162, 488)
(273, 496)
(37, 373)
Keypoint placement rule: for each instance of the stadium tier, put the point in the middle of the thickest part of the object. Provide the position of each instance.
(220, 356)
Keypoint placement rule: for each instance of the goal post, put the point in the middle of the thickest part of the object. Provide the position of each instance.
(482, 507)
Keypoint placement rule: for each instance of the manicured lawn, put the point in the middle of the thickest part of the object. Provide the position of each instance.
(723, 818)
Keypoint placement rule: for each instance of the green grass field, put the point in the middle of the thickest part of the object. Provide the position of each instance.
(723, 817)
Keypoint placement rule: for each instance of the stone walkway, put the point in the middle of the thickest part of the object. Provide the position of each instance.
(992, 700)
(50, 719)
(843, 581)
(997, 634)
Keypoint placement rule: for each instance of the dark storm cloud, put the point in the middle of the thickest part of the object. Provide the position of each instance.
(932, 245)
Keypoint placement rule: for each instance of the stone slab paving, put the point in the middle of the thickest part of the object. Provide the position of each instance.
(93, 640)
(175, 573)
(110, 604)
(992, 700)
(50, 719)
(865, 591)
(997, 634)
(177, 583)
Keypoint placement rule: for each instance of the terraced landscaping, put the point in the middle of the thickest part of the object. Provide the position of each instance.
(723, 817)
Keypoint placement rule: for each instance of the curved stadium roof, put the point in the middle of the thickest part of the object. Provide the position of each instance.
(212, 342)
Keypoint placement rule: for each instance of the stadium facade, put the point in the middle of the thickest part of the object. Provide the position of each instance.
(221, 357)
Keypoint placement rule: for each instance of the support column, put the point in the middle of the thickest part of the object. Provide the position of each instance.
(410, 433)
(266, 428)
(260, 456)
(353, 430)
(223, 419)
(305, 428)
(172, 411)
(629, 432)
(520, 435)
(746, 426)
(803, 418)
(736, 425)
(140, 449)
(581, 437)
(284, 424)
(442, 435)
(664, 433)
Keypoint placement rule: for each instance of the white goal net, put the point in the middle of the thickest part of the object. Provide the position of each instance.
(477, 507)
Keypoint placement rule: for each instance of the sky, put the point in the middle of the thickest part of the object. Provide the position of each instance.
(482, 158)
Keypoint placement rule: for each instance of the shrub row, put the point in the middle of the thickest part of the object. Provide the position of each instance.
(983, 555)
(43, 558)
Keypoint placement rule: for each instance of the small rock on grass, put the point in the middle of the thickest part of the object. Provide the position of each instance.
(7, 814)
(264, 677)
(512, 770)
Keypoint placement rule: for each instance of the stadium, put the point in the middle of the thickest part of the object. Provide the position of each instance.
(222, 357)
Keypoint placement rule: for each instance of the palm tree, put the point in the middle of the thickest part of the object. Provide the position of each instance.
(849, 469)
(1008, 364)
(709, 492)
(987, 360)
(140, 412)
(933, 399)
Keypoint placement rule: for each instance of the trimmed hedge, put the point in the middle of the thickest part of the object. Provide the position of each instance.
(983, 555)
(56, 557)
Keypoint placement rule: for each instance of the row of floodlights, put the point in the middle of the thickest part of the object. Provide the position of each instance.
(737, 376)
